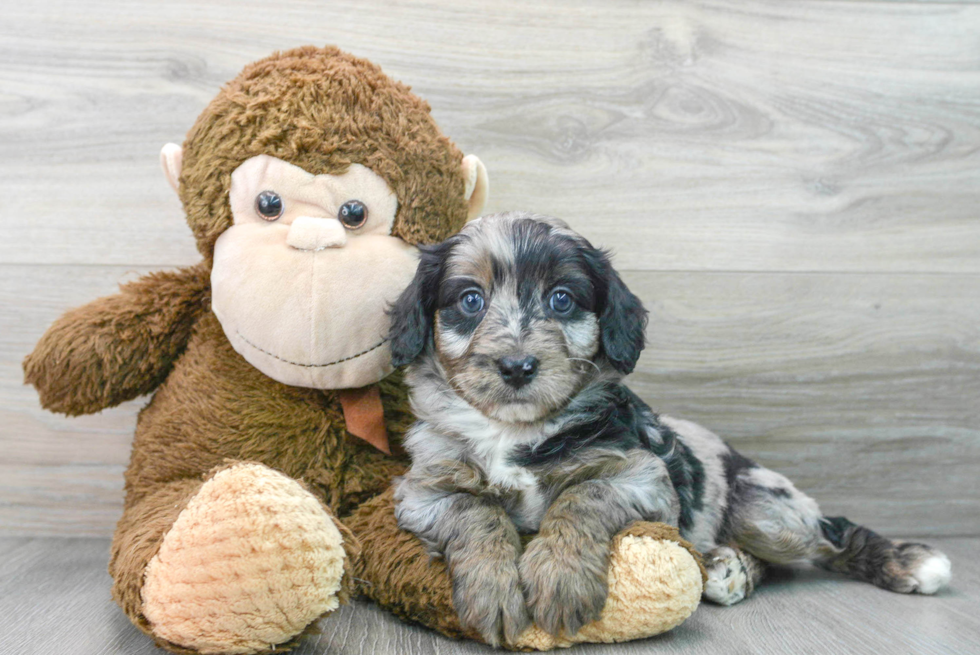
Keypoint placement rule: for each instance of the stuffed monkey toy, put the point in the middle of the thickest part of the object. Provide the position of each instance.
(257, 496)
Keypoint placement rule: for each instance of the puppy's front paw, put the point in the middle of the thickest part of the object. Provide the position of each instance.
(565, 583)
(488, 599)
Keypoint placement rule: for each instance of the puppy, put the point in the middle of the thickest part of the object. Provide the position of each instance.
(519, 333)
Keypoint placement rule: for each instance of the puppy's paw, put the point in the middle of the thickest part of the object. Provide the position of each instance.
(565, 583)
(729, 581)
(488, 599)
(932, 573)
(914, 568)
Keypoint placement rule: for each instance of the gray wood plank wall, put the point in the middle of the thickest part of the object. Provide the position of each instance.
(792, 187)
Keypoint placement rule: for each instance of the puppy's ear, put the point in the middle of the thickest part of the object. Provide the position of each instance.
(411, 315)
(622, 317)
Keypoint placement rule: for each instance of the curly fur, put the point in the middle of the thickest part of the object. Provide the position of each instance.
(566, 450)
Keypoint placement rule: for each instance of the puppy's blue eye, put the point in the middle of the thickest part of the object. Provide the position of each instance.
(471, 302)
(561, 302)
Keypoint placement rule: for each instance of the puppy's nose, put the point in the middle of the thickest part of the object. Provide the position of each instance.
(517, 371)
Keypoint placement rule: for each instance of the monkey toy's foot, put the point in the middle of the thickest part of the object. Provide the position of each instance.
(251, 561)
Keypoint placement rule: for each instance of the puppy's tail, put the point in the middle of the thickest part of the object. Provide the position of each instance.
(858, 552)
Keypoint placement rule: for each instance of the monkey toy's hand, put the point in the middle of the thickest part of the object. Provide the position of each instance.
(564, 577)
(488, 598)
(118, 347)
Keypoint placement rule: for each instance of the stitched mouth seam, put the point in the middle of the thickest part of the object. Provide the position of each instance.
(339, 361)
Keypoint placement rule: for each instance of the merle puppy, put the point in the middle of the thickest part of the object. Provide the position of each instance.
(519, 333)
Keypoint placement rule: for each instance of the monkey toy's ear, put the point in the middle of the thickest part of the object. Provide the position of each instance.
(171, 156)
(477, 185)
(412, 314)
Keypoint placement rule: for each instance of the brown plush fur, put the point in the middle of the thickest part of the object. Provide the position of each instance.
(320, 109)
(419, 589)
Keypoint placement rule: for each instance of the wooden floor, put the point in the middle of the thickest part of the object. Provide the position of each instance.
(54, 598)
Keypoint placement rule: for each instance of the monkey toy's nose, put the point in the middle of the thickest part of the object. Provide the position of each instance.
(313, 233)
(517, 371)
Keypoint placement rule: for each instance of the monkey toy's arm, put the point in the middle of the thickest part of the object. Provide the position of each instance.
(118, 347)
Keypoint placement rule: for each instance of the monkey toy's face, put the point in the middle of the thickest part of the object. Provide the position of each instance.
(301, 282)
(306, 181)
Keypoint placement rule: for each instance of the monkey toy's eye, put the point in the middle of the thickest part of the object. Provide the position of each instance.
(352, 214)
(561, 301)
(471, 302)
(269, 206)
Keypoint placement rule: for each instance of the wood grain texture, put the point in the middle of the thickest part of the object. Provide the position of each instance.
(32, 298)
(54, 597)
(725, 135)
(792, 188)
(65, 499)
(861, 388)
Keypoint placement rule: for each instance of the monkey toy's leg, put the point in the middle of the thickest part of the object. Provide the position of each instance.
(235, 560)
(238, 562)
(655, 580)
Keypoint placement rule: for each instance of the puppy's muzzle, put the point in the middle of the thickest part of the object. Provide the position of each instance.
(518, 371)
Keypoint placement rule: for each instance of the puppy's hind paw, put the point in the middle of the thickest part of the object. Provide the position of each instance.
(729, 581)
(916, 568)
(933, 573)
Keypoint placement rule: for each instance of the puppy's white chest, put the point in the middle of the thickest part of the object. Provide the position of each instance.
(531, 503)
(509, 476)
